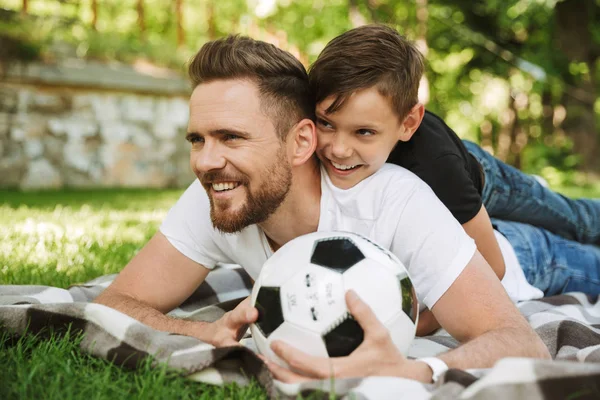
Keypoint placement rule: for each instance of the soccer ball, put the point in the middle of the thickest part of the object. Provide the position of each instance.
(300, 295)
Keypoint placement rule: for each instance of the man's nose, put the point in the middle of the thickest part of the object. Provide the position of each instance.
(340, 146)
(209, 158)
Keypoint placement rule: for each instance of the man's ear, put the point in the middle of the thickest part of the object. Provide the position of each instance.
(412, 122)
(304, 141)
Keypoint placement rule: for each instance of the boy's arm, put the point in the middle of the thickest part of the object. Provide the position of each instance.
(158, 279)
(480, 229)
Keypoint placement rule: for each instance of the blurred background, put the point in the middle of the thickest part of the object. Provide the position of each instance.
(93, 93)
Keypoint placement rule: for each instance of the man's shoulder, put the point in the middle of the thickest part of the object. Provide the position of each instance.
(392, 186)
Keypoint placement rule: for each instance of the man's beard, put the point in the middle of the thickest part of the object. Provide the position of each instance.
(260, 205)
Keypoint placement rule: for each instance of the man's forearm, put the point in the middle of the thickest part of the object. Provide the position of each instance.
(485, 350)
(154, 318)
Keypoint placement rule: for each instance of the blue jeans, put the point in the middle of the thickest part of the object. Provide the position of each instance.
(512, 195)
(552, 263)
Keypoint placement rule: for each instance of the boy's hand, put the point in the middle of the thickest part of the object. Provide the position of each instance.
(427, 323)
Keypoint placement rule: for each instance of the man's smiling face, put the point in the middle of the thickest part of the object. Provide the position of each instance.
(236, 154)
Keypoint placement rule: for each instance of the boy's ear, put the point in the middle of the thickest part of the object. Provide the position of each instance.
(412, 122)
(304, 141)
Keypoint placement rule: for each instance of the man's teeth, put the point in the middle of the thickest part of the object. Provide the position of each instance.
(219, 187)
(342, 166)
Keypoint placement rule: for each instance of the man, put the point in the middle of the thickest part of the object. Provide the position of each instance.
(259, 186)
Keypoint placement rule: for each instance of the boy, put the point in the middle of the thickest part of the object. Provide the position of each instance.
(365, 82)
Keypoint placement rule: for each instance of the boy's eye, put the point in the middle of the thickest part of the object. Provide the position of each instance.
(324, 123)
(365, 132)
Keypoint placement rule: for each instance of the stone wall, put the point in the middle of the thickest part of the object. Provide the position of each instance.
(92, 125)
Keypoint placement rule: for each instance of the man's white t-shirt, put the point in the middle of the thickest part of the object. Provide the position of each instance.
(393, 207)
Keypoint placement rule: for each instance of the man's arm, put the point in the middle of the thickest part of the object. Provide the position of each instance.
(488, 325)
(480, 229)
(158, 279)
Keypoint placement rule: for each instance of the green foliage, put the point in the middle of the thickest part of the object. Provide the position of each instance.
(482, 54)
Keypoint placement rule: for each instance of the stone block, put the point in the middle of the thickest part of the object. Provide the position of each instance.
(13, 165)
(50, 103)
(34, 148)
(41, 174)
(81, 154)
(74, 126)
(54, 149)
(5, 123)
(137, 108)
(8, 99)
(105, 106)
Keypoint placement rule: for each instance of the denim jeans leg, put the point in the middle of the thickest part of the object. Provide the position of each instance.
(512, 195)
(552, 263)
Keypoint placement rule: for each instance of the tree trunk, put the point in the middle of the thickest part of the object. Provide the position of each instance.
(179, 19)
(354, 14)
(422, 20)
(508, 120)
(141, 19)
(211, 22)
(575, 40)
(25, 7)
(94, 14)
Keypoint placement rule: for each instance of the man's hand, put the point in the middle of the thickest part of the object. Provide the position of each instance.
(230, 328)
(377, 354)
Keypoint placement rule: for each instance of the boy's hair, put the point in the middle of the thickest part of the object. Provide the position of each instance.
(368, 56)
(281, 79)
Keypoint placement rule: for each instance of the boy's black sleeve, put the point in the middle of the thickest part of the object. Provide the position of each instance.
(453, 185)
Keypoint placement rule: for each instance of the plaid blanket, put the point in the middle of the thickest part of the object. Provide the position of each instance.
(568, 324)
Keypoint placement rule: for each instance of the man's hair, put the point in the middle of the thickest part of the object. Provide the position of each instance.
(368, 56)
(282, 80)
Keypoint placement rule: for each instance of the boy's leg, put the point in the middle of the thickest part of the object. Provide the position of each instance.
(510, 194)
(552, 263)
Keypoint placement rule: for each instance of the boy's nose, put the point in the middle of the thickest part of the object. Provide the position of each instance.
(340, 147)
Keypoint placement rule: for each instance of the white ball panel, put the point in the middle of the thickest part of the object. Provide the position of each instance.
(402, 331)
(379, 254)
(309, 342)
(377, 286)
(313, 298)
(284, 264)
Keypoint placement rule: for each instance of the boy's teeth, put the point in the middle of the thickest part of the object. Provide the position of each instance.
(342, 166)
(219, 187)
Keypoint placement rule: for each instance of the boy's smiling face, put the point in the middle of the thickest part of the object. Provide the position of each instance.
(356, 140)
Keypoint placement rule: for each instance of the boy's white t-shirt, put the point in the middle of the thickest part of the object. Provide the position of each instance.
(392, 207)
(514, 280)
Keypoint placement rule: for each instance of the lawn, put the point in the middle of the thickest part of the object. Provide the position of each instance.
(66, 237)
(61, 238)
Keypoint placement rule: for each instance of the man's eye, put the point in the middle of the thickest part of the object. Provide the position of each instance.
(230, 137)
(196, 140)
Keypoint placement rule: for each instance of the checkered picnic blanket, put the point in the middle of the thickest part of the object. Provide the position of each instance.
(568, 324)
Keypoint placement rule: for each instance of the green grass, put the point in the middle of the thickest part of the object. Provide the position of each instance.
(61, 238)
(54, 368)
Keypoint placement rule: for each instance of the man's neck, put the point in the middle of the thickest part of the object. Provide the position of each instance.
(300, 211)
